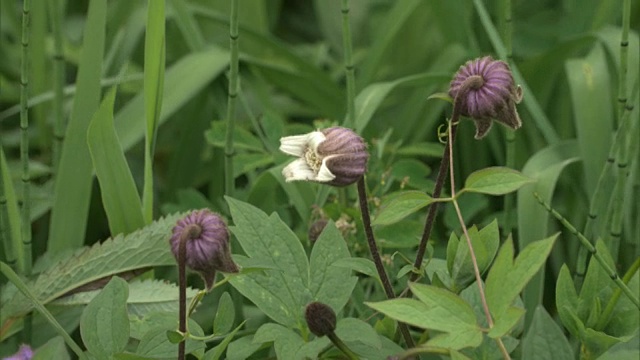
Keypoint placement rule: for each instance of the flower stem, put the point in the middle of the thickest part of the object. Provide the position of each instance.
(342, 346)
(375, 254)
(182, 283)
(348, 65)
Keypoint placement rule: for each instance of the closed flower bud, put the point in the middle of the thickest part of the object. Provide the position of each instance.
(493, 96)
(207, 244)
(321, 318)
(336, 156)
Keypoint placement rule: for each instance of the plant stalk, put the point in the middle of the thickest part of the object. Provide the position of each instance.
(182, 284)
(348, 65)
(56, 18)
(231, 100)
(375, 255)
(25, 229)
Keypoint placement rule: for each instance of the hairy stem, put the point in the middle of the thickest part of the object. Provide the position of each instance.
(375, 255)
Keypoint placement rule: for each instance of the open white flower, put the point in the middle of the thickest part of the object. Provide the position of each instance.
(335, 156)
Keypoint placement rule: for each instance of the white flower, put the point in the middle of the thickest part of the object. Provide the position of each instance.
(336, 156)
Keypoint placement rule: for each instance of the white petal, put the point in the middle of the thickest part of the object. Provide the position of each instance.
(297, 144)
(324, 174)
(298, 170)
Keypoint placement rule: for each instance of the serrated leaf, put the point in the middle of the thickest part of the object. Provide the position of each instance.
(117, 187)
(507, 278)
(495, 181)
(438, 309)
(276, 292)
(545, 340)
(145, 296)
(485, 244)
(397, 206)
(225, 315)
(104, 324)
(143, 248)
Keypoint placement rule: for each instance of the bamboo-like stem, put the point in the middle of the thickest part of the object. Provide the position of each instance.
(229, 151)
(25, 229)
(375, 255)
(348, 65)
(474, 260)
(510, 138)
(5, 233)
(586, 243)
(56, 16)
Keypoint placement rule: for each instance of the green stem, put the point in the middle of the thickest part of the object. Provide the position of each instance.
(586, 243)
(56, 18)
(608, 310)
(25, 229)
(231, 101)
(342, 346)
(24, 289)
(348, 65)
(5, 233)
(375, 255)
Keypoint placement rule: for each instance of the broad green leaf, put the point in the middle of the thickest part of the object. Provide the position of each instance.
(495, 181)
(355, 330)
(485, 246)
(371, 97)
(155, 344)
(411, 173)
(545, 339)
(506, 322)
(216, 352)
(399, 205)
(154, 64)
(225, 315)
(104, 324)
(507, 278)
(400, 235)
(545, 167)
(242, 348)
(143, 248)
(74, 176)
(329, 283)
(567, 301)
(286, 341)
(117, 187)
(175, 337)
(361, 265)
(597, 287)
(278, 293)
(628, 350)
(438, 309)
(52, 349)
(242, 139)
(590, 87)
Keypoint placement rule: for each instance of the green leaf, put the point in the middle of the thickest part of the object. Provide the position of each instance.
(74, 176)
(399, 205)
(330, 284)
(242, 139)
(216, 352)
(278, 293)
(438, 309)
(506, 322)
(286, 341)
(155, 344)
(597, 287)
(12, 243)
(242, 348)
(351, 330)
(507, 278)
(117, 187)
(495, 181)
(154, 64)
(567, 301)
(52, 349)
(628, 350)
(104, 324)
(485, 246)
(545, 339)
(175, 337)
(361, 265)
(143, 248)
(225, 315)
(412, 173)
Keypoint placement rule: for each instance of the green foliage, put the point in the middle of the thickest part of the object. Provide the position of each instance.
(495, 181)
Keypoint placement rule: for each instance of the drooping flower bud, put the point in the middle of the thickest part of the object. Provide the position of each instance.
(320, 318)
(207, 244)
(24, 353)
(336, 156)
(493, 97)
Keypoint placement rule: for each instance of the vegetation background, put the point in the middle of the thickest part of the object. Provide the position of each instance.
(92, 175)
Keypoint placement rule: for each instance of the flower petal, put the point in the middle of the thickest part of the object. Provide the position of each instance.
(296, 145)
(298, 170)
(324, 174)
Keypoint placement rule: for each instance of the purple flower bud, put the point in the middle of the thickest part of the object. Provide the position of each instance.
(24, 353)
(207, 244)
(320, 318)
(336, 156)
(493, 97)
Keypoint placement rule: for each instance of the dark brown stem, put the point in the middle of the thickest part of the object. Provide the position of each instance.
(182, 283)
(472, 82)
(375, 255)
